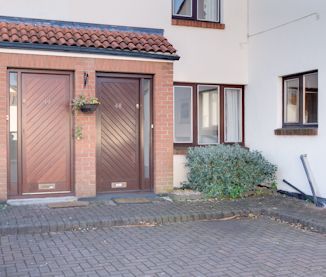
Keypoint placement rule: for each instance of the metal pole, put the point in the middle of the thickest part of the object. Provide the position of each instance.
(295, 188)
(305, 166)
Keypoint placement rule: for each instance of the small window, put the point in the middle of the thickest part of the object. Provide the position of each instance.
(232, 115)
(200, 10)
(183, 114)
(182, 8)
(208, 10)
(13, 127)
(208, 114)
(291, 101)
(310, 98)
(300, 100)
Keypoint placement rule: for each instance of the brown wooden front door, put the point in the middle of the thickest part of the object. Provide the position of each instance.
(44, 158)
(119, 157)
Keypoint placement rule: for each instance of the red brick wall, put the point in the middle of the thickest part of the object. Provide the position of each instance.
(85, 149)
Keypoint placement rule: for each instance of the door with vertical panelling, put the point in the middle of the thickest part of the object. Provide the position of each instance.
(118, 153)
(46, 136)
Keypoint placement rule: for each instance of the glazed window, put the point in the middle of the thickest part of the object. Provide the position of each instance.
(207, 114)
(200, 10)
(310, 98)
(208, 10)
(183, 114)
(300, 100)
(13, 127)
(291, 100)
(182, 8)
(232, 114)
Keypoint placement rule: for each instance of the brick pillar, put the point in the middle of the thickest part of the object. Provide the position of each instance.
(163, 129)
(85, 149)
(3, 133)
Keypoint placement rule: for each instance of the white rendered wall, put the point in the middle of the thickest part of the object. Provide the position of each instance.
(207, 55)
(294, 48)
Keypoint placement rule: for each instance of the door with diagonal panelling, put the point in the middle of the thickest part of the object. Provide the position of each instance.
(46, 137)
(118, 155)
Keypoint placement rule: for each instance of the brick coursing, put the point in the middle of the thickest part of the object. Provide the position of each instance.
(85, 149)
(296, 132)
(199, 24)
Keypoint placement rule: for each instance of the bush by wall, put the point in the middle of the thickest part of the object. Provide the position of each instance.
(227, 171)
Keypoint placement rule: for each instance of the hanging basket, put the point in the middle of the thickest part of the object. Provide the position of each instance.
(88, 108)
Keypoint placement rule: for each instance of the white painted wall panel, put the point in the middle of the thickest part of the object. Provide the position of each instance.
(179, 170)
(294, 48)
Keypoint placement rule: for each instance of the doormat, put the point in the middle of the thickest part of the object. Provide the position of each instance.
(71, 204)
(132, 200)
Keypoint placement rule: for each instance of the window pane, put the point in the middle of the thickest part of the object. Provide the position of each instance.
(147, 126)
(208, 10)
(233, 115)
(183, 114)
(13, 135)
(311, 98)
(291, 101)
(182, 8)
(208, 114)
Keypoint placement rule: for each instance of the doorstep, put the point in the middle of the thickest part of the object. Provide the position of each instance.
(40, 201)
(101, 213)
(111, 196)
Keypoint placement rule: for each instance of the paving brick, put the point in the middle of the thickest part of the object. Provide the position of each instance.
(245, 247)
(41, 219)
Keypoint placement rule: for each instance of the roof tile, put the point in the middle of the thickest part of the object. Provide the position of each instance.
(81, 37)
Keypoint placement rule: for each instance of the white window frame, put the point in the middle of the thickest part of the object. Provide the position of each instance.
(191, 114)
(218, 112)
(241, 115)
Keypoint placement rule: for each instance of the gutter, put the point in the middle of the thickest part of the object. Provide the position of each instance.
(89, 50)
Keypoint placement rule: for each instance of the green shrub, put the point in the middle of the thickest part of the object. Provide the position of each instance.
(227, 171)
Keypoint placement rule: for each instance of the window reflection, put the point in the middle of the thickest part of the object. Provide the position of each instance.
(208, 114)
(291, 101)
(147, 126)
(182, 114)
(13, 128)
(311, 98)
(232, 115)
(182, 7)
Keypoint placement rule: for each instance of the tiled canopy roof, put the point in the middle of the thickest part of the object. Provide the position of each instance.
(84, 38)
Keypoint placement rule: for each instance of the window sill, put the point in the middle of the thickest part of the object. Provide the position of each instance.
(199, 24)
(182, 149)
(296, 131)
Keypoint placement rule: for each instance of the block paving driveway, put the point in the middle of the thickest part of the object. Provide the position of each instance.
(239, 247)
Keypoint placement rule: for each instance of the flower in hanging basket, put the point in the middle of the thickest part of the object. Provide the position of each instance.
(85, 104)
